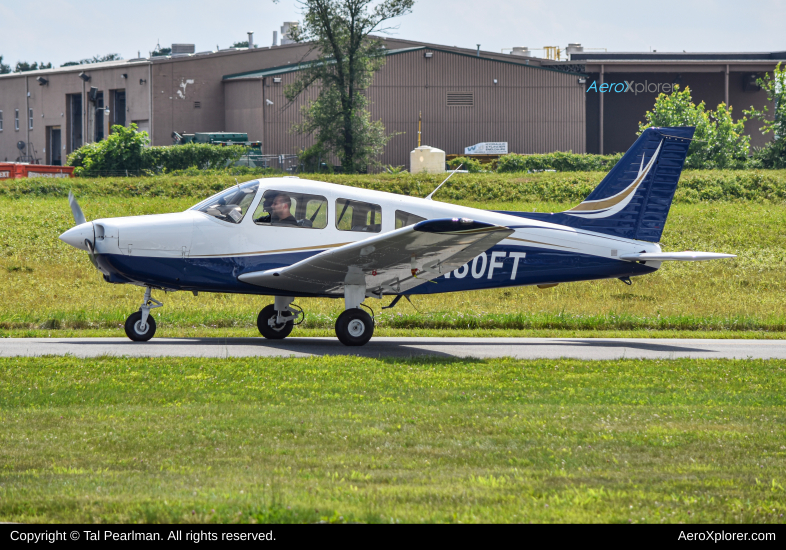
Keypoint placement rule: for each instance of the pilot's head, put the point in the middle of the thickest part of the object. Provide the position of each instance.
(281, 205)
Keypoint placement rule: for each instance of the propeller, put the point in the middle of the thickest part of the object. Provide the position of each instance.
(82, 235)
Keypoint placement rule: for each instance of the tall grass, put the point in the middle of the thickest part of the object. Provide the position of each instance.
(695, 185)
(47, 284)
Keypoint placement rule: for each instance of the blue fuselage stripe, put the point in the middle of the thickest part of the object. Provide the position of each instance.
(219, 274)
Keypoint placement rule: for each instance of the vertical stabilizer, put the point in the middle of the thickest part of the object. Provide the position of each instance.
(634, 198)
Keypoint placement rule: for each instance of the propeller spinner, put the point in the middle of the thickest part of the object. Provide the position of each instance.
(81, 236)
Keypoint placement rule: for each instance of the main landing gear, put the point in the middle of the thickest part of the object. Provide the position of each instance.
(140, 326)
(276, 321)
(354, 327)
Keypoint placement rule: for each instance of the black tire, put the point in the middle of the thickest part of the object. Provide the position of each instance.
(354, 327)
(274, 332)
(132, 327)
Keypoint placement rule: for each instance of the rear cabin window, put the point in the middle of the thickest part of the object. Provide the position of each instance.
(358, 216)
(404, 219)
(291, 209)
(231, 205)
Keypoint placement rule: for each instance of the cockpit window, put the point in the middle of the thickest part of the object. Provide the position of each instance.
(230, 205)
(287, 208)
(358, 216)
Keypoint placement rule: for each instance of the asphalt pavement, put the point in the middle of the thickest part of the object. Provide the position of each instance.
(485, 348)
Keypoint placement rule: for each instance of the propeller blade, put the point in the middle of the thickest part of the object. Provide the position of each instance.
(79, 217)
(91, 253)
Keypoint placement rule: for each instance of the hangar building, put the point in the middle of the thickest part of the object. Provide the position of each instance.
(465, 96)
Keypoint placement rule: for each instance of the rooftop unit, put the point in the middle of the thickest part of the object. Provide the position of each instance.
(183, 48)
(286, 29)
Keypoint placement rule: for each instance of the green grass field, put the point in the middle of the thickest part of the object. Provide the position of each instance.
(50, 288)
(419, 440)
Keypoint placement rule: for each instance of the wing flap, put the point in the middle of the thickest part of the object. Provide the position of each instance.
(386, 263)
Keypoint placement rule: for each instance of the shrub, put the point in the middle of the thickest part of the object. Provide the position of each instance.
(315, 159)
(125, 150)
(202, 155)
(467, 163)
(121, 150)
(718, 142)
(772, 155)
(559, 161)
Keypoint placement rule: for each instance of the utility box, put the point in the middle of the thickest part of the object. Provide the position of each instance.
(427, 159)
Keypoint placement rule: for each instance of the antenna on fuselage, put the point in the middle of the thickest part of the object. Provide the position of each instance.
(428, 198)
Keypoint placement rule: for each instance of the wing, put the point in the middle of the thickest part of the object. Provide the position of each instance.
(391, 263)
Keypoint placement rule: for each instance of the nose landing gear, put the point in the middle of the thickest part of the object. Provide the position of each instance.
(140, 326)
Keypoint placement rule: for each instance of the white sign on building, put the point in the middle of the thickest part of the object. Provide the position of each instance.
(488, 148)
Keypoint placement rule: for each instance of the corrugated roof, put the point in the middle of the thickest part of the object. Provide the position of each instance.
(273, 71)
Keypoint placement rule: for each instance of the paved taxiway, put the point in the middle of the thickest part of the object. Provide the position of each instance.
(522, 348)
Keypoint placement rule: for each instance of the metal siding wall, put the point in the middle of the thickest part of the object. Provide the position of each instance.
(534, 110)
(243, 108)
(282, 115)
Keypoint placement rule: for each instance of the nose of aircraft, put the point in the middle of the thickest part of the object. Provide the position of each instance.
(76, 235)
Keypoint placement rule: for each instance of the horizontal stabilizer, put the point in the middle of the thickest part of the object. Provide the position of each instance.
(687, 256)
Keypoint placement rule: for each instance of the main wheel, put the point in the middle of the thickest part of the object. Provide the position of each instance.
(354, 327)
(134, 331)
(276, 331)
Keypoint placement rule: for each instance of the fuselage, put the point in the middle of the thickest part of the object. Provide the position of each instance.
(196, 251)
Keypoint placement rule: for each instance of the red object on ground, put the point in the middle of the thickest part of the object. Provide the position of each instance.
(15, 170)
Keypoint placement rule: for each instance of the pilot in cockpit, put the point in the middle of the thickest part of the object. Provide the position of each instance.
(280, 210)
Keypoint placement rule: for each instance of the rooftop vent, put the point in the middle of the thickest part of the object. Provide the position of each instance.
(574, 47)
(286, 32)
(183, 48)
(521, 50)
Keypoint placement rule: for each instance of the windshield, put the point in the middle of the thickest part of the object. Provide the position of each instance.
(230, 205)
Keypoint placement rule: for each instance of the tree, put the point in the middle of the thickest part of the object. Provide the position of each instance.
(24, 66)
(772, 155)
(94, 59)
(347, 57)
(243, 44)
(4, 69)
(160, 52)
(718, 142)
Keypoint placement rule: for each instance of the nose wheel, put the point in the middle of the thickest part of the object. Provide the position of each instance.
(138, 332)
(354, 327)
(140, 325)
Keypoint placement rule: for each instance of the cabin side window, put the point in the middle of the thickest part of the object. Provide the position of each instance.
(404, 219)
(231, 205)
(292, 209)
(354, 215)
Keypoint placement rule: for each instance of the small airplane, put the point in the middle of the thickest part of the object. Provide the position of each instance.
(288, 238)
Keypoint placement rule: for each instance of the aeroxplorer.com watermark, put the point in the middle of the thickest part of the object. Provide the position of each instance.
(724, 536)
(632, 87)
